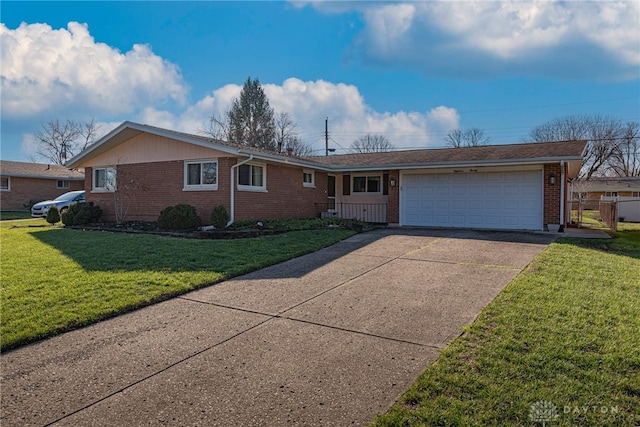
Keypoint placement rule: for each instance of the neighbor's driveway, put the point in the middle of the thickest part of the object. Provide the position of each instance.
(331, 338)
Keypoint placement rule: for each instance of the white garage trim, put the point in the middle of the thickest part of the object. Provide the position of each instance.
(511, 199)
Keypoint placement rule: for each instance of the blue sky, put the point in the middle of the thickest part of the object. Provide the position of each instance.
(411, 71)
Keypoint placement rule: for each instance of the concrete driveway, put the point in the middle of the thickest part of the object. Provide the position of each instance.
(331, 338)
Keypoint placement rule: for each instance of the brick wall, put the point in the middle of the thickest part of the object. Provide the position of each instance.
(552, 194)
(152, 187)
(394, 198)
(22, 190)
(286, 197)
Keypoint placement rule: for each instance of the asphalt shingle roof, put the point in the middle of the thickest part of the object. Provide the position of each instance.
(38, 170)
(486, 153)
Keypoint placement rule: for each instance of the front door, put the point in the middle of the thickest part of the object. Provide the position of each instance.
(331, 193)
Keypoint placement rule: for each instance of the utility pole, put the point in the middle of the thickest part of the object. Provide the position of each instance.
(326, 136)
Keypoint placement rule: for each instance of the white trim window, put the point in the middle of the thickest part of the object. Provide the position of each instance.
(308, 178)
(201, 174)
(366, 184)
(252, 177)
(5, 183)
(63, 184)
(104, 180)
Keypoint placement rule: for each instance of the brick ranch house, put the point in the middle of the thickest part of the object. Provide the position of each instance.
(23, 184)
(518, 187)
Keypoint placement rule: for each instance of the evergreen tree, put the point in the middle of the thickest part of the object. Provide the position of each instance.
(251, 119)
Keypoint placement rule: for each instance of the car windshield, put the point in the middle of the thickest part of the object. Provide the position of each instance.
(66, 197)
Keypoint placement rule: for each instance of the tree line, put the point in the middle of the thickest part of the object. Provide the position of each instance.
(613, 147)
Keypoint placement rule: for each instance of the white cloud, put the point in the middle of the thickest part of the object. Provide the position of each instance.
(309, 103)
(48, 70)
(491, 39)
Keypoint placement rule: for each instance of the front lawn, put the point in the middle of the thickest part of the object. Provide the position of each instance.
(11, 215)
(55, 279)
(560, 346)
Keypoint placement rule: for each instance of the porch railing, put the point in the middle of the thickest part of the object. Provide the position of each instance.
(367, 212)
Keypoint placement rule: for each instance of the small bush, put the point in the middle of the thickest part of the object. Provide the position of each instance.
(179, 217)
(53, 215)
(81, 214)
(219, 216)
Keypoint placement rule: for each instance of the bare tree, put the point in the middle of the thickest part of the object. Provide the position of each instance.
(473, 137)
(579, 196)
(218, 127)
(285, 128)
(59, 141)
(625, 160)
(602, 133)
(371, 144)
(299, 147)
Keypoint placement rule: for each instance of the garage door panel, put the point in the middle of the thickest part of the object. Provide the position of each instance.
(503, 200)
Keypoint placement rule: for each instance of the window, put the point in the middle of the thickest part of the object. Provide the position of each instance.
(252, 177)
(104, 179)
(635, 194)
(201, 175)
(5, 183)
(367, 184)
(63, 184)
(611, 194)
(308, 178)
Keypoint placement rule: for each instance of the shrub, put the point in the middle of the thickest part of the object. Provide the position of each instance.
(53, 215)
(179, 217)
(81, 214)
(219, 216)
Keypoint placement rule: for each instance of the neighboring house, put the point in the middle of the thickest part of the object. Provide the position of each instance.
(595, 188)
(22, 184)
(520, 186)
(625, 190)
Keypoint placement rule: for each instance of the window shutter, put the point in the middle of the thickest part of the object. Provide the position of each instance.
(346, 185)
(385, 184)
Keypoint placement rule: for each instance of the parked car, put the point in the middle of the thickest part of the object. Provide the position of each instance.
(62, 202)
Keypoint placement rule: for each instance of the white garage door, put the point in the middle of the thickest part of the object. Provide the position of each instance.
(499, 200)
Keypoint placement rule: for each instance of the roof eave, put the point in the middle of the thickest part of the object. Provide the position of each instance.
(442, 165)
(36, 176)
(291, 161)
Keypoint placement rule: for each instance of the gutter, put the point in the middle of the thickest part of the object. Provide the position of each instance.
(232, 214)
(445, 165)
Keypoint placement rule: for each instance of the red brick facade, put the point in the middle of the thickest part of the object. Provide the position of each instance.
(552, 194)
(23, 190)
(147, 188)
(394, 197)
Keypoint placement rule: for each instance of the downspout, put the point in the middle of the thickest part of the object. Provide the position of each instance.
(562, 201)
(233, 193)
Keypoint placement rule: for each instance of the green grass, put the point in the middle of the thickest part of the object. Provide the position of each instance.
(55, 279)
(11, 215)
(565, 331)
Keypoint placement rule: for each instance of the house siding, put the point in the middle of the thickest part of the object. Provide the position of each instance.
(24, 190)
(148, 188)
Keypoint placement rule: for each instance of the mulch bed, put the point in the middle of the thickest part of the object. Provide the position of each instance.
(144, 227)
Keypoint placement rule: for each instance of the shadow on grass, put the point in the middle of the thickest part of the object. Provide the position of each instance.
(118, 252)
(624, 243)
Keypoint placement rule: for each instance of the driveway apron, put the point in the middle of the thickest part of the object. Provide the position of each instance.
(330, 338)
